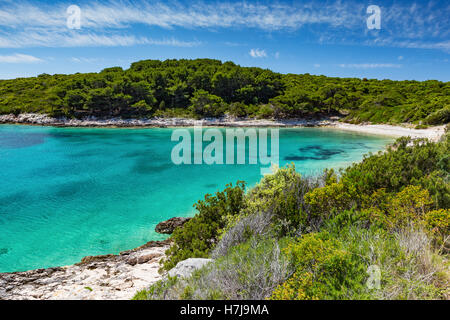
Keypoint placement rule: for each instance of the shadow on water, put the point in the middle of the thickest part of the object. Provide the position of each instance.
(149, 166)
(316, 152)
(21, 140)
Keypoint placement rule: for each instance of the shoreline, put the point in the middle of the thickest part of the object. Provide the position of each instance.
(102, 277)
(432, 133)
(121, 276)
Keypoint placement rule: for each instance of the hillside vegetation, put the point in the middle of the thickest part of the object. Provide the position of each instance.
(209, 88)
(379, 229)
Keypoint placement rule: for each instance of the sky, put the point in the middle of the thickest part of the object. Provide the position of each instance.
(398, 40)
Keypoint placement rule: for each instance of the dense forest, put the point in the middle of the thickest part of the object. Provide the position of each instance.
(209, 88)
(379, 229)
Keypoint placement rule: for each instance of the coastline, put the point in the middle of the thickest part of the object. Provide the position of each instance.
(104, 277)
(121, 276)
(433, 133)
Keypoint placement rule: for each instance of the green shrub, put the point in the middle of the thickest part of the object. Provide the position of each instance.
(250, 270)
(441, 116)
(437, 222)
(324, 270)
(200, 234)
(282, 195)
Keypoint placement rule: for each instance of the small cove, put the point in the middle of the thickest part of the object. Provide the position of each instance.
(66, 193)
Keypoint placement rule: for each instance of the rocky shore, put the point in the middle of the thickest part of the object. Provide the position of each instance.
(106, 277)
(42, 119)
(432, 133)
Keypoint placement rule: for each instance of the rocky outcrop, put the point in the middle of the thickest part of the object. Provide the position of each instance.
(105, 277)
(42, 119)
(168, 226)
(184, 268)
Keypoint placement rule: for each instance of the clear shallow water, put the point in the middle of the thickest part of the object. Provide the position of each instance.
(67, 193)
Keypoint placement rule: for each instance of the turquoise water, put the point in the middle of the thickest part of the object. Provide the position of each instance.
(66, 193)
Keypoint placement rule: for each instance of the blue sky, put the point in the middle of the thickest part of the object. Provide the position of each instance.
(317, 37)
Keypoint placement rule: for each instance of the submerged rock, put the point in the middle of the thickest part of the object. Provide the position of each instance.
(168, 226)
(184, 268)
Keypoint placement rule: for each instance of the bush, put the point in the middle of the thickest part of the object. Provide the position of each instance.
(324, 270)
(438, 224)
(331, 198)
(282, 195)
(407, 162)
(200, 234)
(259, 224)
(249, 271)
(441, 116)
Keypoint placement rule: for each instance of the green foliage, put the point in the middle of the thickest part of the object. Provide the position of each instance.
(408, 162)
(331, 198)
(250, 270)
(204, 104)
(200, 234)
(210, 88)
(441, 116)
(159, 290)
(324, 270)
(281, 194)
(334, 264)
(437, 222)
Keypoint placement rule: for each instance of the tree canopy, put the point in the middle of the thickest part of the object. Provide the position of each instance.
(210, 88)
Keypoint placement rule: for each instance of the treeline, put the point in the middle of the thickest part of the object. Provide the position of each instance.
(209, 88)
(378, 230)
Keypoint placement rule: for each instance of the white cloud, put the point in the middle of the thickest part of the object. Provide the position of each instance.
(19, 58)
(277, 55)
(400, 58)
(120, 14)
(84, 60)
(51, 38)
(416, 25)
(316, 65)
(370, 65)
(257, 53)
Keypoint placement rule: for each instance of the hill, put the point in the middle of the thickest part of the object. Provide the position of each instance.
(209, 88)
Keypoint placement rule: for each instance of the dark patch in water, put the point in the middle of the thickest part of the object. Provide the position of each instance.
(21, 140)
(72, 189)
(139, 153)
(86, 153)
(103, 243)
(317, 153)
(3, 251)
(211, 185)
(147, 166)
(17, 197)
(301, 158)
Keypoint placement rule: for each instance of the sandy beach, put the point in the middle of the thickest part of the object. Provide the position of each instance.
(432, 133)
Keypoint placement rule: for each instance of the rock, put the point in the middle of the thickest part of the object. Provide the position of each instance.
(167, 227)
(185, 268)
(100, 258)
(142, 259)
(98, 277)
